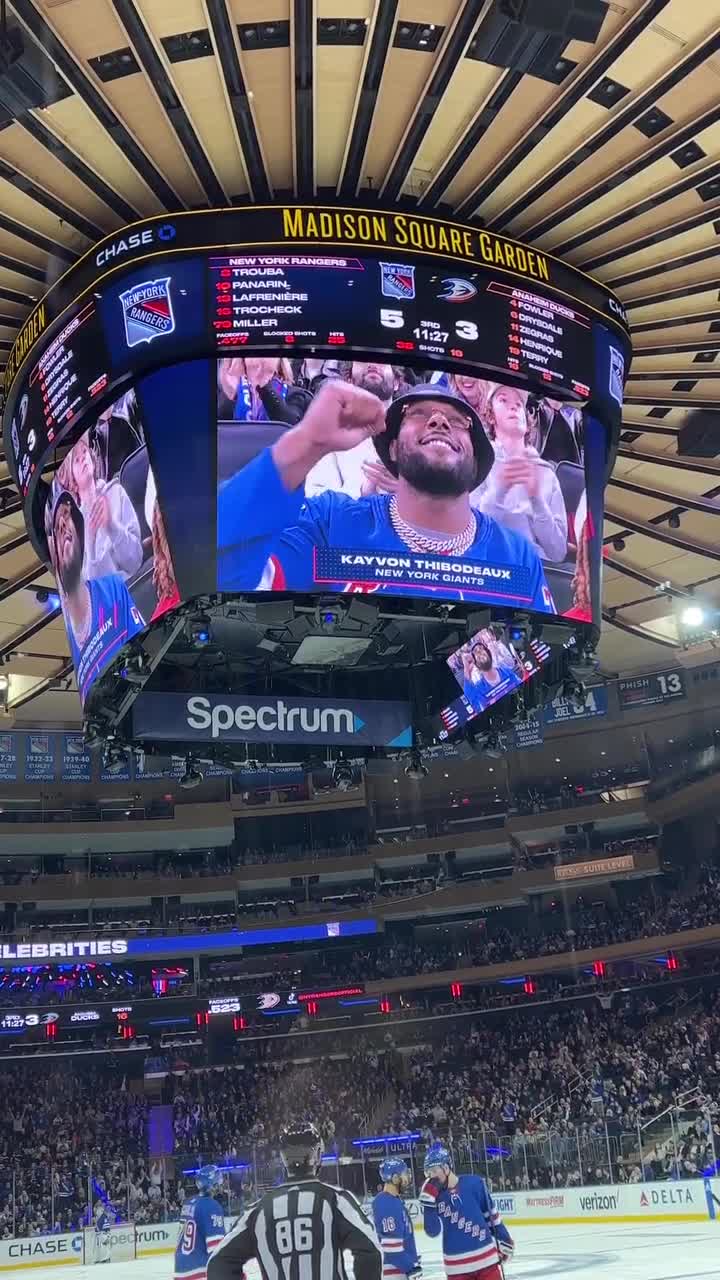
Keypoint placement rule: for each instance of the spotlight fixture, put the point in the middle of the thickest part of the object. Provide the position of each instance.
(415, 769)
(198, 630)
(135, 669)
(342, 775)
(42, 595)
(583, 665)
(518, 633)
(4, 683)
(93, 735)
(692, 616)
(492, 745)
(328, 617)
(618, 544)
(114, 758)
(575, 692)
(192, 776)
(674, 520)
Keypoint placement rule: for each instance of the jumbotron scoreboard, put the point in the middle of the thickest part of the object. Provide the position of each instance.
(176, 383)
(411, 288)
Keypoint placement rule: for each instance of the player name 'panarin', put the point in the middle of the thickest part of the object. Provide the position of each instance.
(429, 235)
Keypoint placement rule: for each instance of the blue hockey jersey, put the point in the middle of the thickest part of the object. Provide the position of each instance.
(332, 542)
(202, 1227)
(469, 1222)
(396, 1235)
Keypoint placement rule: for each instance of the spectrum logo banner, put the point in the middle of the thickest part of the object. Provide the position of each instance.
(308, 721)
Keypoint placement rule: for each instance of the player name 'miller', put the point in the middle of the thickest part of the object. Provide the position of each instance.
(63, 950)
(428, 235)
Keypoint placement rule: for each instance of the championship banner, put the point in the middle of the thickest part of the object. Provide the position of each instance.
(40, 757)
(311, 721)
(8, 757)
(529, 734)
(76, 759)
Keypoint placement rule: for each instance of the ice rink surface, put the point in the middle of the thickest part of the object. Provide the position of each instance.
(688, 1251)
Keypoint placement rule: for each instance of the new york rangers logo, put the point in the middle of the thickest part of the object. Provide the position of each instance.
(147, 311)
(397, 280)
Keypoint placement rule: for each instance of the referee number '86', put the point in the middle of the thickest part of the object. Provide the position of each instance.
(294, 1236)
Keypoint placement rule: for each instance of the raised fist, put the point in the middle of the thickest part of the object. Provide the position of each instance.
(342, 416)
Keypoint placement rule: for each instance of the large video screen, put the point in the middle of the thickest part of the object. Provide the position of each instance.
(364, 476)
(487, 668)
(269, 474)
(107, 540)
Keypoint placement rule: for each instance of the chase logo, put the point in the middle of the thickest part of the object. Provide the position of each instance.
(618, 308)
(165, 233)
(147, 311)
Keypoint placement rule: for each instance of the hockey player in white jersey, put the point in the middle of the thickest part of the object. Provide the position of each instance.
(102, 1225)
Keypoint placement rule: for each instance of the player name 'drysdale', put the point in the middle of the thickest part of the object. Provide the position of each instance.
(399, 231)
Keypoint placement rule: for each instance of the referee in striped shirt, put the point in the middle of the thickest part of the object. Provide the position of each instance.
(299, 1231)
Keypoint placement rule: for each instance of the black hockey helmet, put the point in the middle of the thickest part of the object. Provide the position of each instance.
(301, 1148)
(484, 453)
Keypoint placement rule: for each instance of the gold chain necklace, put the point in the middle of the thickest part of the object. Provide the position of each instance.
(417, 541)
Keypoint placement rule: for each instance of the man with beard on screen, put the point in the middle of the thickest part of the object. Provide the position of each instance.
(99, 612)
(270, 537)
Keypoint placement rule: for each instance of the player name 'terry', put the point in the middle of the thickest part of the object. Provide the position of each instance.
(400, 231)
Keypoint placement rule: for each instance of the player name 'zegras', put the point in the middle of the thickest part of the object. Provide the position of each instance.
(422, 234)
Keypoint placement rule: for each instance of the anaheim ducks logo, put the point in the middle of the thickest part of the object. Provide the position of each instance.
(455, 289)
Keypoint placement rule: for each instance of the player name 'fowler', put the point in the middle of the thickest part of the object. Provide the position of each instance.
(423, 234)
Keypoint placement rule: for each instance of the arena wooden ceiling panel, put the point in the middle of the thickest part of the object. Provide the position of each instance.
(609, 155)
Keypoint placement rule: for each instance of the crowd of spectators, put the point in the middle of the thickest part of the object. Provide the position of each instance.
(555, 1084)
(395, 954)
(562, 1095)
(69, 1138)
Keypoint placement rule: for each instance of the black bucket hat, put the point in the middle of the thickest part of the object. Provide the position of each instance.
(484, 453)
(66, 498)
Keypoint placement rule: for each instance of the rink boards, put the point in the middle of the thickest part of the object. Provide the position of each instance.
(643, 1203)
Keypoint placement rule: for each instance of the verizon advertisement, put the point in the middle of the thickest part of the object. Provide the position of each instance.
(308, 721)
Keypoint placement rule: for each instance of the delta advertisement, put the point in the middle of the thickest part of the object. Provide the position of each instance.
(639, 1202)
(307, 721)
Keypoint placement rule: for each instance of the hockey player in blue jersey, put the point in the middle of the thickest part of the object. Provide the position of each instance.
(202, 1227)
(423, 539)
(394, 1228)
(475, 1239)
